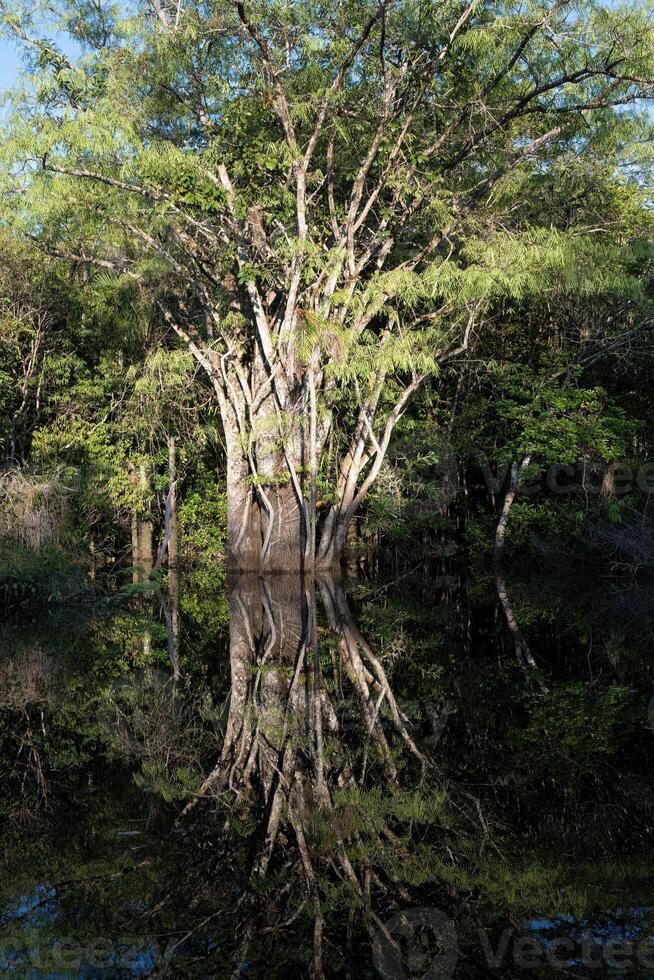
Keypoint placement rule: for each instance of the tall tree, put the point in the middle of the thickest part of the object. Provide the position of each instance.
(324, 201)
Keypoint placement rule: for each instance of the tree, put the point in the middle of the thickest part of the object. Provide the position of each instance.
(35, 352)
(323, 203)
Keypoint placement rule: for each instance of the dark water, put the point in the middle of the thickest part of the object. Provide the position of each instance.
(219, 779)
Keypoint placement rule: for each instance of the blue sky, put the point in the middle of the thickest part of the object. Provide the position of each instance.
(9, 64)
(10, 59)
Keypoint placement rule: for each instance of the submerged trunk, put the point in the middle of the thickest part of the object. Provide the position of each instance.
(141, 527)
(271, 490)
(170, 541)
(146, 558)
(272, 521)
(265, 525)
(171, 508)
(275, 436)
(334, 537)
(135, 548)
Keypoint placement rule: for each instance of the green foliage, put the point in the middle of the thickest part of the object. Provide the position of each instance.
(573, 732)
(414, 186)
(203, 520)
(48, 575)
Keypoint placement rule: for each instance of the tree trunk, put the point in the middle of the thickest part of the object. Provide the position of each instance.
(145, 528)
(511, 493)
(265, 527)
(171, 613)
(275, 437)
(244, 540)
(173, 534)
(135, 527)
(523, 653)
(333, 539)
(135, 548)
(169, 543)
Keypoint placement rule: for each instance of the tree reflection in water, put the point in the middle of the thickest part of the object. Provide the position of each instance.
(253, 793)
(300, 728)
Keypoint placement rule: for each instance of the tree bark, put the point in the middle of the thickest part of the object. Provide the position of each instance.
(135, 548)
(170, 542)
(145, 528)
(265, 530)
(267, 522)
(171, 613)
(173, 534)
(516, 474)
(523, 652)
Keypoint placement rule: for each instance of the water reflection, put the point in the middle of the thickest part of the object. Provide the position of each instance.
(304, 734)
(262, 780)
